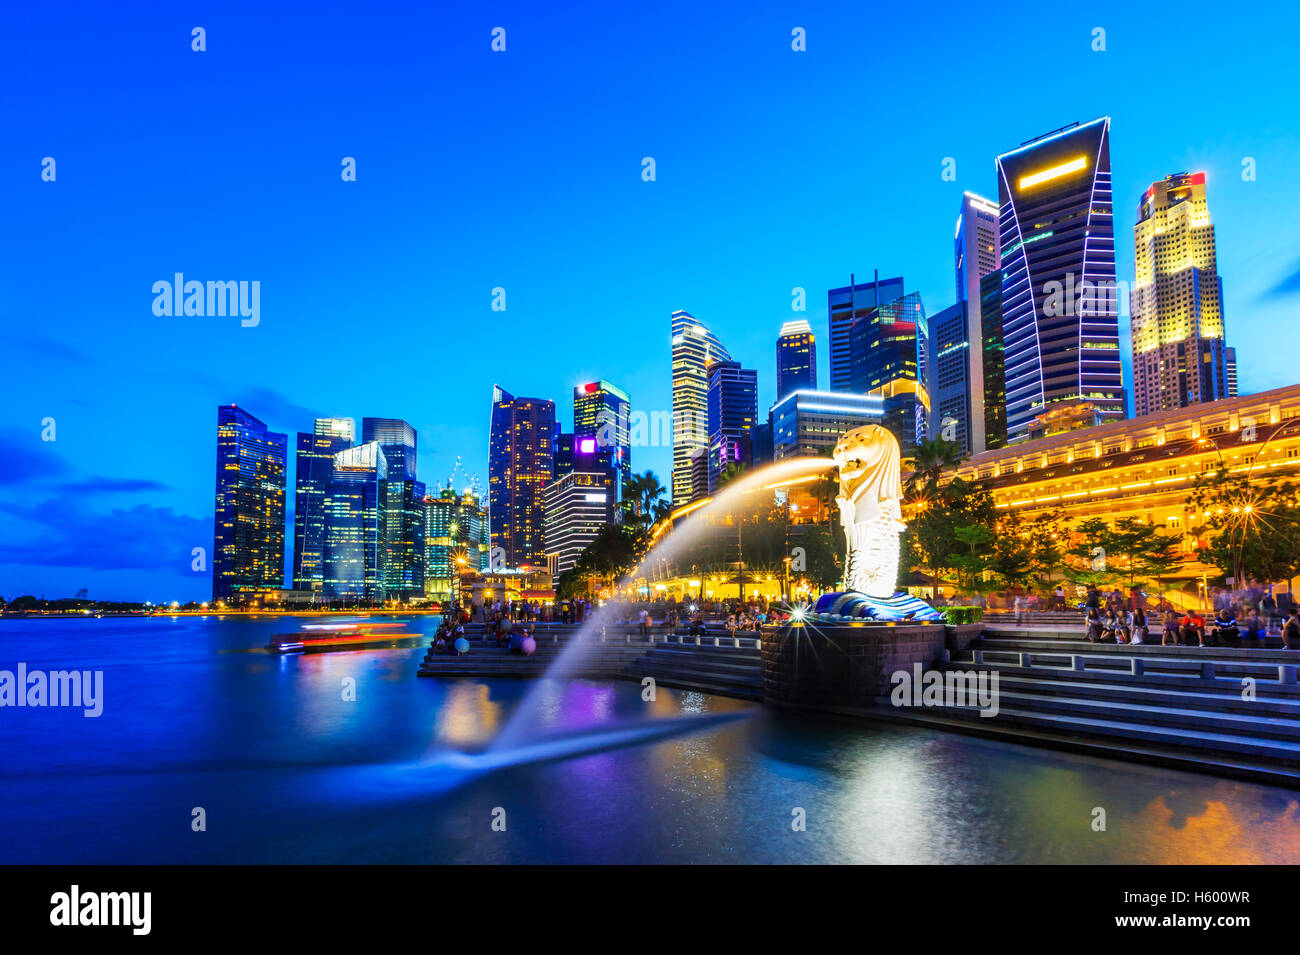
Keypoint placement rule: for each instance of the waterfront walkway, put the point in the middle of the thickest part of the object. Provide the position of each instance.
(718, 662)
(1226, 711)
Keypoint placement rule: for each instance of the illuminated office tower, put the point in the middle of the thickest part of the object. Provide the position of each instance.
(977, 245)
(248, 530)
(811, 423)
(578, 505)
(694, 350)
(699, 468)
(1059, 312)
(355, 541)
(563, 457)
(403, 506)
(1230, 364)
(956, 400)
(601, 411)
(456, 540)
(994, 364)
(796, 359)
(844, 307)
(314, 471)
(521, 462)
(889, 347)
(397, 438)
(733, 409)
(1176, 303)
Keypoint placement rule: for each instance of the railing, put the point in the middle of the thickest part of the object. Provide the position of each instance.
(1139, 666)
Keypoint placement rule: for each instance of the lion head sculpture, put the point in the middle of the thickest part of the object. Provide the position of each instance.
(869, 472)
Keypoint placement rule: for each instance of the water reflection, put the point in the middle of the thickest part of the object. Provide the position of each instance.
(292, 771)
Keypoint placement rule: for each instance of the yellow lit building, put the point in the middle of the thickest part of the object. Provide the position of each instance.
(1178, 345)
(1145, 467)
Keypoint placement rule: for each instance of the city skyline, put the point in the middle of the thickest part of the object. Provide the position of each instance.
(64, 499)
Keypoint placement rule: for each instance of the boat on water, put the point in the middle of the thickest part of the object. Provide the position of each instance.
(320, 637)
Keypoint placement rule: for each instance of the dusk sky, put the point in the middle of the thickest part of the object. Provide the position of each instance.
(522, 169)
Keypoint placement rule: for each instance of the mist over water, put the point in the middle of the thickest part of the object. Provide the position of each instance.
(668, 547)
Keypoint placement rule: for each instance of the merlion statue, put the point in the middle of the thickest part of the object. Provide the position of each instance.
(870, 509)
(870, 502)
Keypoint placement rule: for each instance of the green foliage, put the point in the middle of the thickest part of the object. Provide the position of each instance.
(1250, 530)
(1131, 551)
(960, 615)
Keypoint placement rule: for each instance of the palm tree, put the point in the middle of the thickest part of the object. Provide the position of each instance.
(932, 457)
(647, 496)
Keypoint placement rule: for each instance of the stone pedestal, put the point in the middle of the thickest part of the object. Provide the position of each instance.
(811, 665)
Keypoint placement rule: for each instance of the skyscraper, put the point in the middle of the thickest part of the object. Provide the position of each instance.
(1059, 314)
(977, 246)
(248, 526)
(694, 350)
(995, 387)
(888, 347)
(796, 359)
(733, 408)
(811, 423)
(403, 528)
(956, 402)
(521, 462)
(456, 529)
(578, 505)
(844, 307)
(397, 438)
(602, 411)
(1176, 303)
(314, 466)
(1230, 362)
(356, 548)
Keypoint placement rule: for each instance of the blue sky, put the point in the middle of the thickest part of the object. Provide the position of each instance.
(522, 170)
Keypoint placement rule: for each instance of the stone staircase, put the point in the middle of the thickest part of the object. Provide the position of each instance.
(1225, 711)
(718, 663)
(727, 671)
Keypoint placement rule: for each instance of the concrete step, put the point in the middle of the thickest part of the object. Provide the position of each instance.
(1259, 725)
(1218, 741)
(1226, 699)
(1221, 765)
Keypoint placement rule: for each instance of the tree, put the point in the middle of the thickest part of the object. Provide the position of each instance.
(932, 457)
(1132, 550)
(931, 542)
(647, 497)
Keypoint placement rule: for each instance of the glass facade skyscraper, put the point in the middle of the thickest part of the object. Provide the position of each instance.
(1059, 311)
(954, 406)
(314, 464)
(456, 528)
(844, 307)
(733, 408)
(811, 423)
(355, 546)
(248, 529)
(602, 411)
(977, 246)
(521, 462)
(694, 350)
(889, 348)
(403, 529)
(995, 392)
(796, 359)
